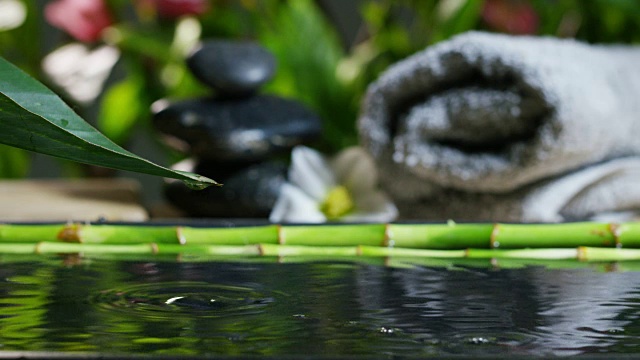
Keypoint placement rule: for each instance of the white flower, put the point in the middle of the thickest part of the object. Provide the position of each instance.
(342, 189)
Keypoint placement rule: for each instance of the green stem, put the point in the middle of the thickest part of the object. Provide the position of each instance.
(29, 233)
(580, 253)
(440, 236)
(628, 234)
(228, 236)
(538, 253)
(450, 236)
(334, 235)
(513, 236)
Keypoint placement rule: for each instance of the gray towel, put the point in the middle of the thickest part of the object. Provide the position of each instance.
(491, 127)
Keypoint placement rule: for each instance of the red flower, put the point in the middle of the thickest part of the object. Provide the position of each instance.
(171, 9)
(510, 16)
(83, 19)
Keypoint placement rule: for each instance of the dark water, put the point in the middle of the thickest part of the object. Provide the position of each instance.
(272, 309)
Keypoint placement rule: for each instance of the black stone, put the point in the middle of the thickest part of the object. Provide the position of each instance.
(247, 193)
(232, 68)
(248, 129)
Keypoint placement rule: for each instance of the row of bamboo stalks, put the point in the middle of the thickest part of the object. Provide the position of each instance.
(585, 241)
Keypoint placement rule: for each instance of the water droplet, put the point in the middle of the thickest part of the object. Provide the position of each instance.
(170, 301)
(479, 340)
(196, 185)
(64, 122)
(385, 330)
(197, 182)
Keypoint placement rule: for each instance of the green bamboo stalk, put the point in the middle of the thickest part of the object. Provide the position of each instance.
(513, 236)
(303, 250)
(85, 233)
(440, 236)
(29, 233)
(628, 234)
(18, 248)
(579, 253)
(397, 251)
(65, 248)
(245, 235)
(448, 236)
(608, 254)
(537, 253)
(334, 235)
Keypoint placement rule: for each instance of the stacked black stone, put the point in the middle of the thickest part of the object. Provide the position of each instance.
(237, 134)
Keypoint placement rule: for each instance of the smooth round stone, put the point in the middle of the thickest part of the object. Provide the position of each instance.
(232, 68)
(247, 129)
(250, 192)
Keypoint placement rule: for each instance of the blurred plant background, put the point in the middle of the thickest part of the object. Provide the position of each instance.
(112, 59)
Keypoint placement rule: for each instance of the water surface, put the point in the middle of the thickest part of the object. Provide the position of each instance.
(334, 308)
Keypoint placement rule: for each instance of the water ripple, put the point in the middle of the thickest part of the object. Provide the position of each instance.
(170, 298)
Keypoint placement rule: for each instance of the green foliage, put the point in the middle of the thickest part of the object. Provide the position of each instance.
(120, 109)
(596, 21)
(14, 162)
(308, 53)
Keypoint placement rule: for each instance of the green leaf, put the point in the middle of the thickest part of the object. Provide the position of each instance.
(32, 117)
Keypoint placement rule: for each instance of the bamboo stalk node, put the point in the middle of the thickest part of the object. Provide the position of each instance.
(615, 230)
(70, 233)
(387, 240)
(280, 234)
(493, 239)
(582, 253)
(182, 240)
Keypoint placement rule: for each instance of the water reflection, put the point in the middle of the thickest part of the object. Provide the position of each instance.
(324, 308)
(466, 311)
(582, 312)
(526, 311)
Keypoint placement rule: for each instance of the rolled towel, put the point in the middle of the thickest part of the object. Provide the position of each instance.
(475, 126)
